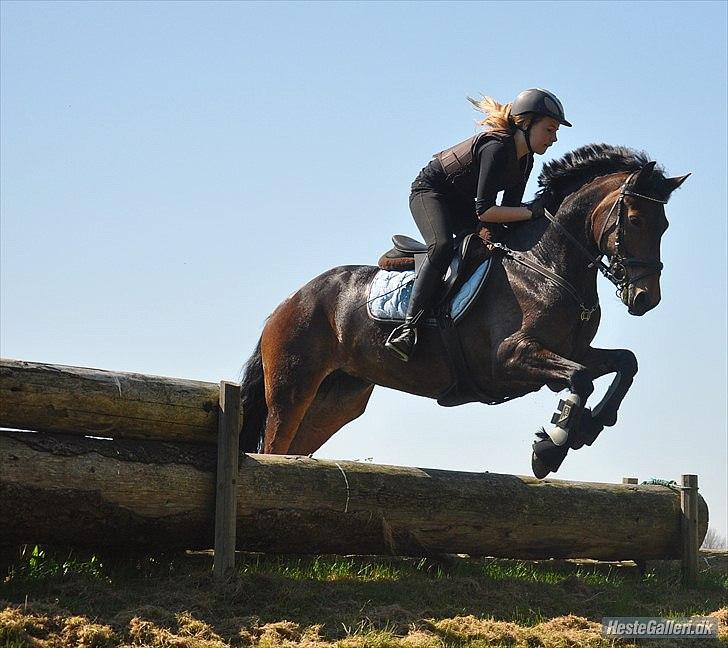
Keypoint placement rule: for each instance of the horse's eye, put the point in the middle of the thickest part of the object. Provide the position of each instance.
(637, 221)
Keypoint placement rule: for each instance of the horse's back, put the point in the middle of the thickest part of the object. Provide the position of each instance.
(340, 286)
(330, 302)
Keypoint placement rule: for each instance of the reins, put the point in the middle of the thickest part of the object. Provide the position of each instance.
(586, 312)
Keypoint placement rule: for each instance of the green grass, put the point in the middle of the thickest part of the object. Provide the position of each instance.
(12, 643)
(34, 565)
(327, 568)
(321, 568)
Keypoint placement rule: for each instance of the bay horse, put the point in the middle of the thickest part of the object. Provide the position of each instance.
(320, 354)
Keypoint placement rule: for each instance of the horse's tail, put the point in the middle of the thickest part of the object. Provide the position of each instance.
(255, 409)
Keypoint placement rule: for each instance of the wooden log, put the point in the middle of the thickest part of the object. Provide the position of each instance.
(71, 490)
(77, 400)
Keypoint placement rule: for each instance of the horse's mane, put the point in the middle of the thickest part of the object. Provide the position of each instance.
(561, 177)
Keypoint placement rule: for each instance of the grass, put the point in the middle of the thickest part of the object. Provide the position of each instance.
(51, 598)
(33, 565)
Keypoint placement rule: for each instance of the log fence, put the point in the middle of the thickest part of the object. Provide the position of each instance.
(170, 475)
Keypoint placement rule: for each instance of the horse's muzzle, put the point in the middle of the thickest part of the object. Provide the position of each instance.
(638, 301)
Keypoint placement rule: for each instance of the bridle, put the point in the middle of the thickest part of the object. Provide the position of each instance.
(618, 264)
(617, 270)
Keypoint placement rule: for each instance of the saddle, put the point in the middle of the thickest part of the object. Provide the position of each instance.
(469, 251)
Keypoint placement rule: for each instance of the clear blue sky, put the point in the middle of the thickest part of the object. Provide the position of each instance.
(171, 171)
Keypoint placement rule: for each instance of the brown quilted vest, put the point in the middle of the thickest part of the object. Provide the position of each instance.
(459, 163)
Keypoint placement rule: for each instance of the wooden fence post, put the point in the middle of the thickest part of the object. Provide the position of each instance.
(689, 526)
(641, 564)
(227, 478)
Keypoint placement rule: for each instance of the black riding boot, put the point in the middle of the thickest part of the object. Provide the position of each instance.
(403, 338)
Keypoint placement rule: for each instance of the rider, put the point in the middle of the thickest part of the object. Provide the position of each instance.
(458, 188)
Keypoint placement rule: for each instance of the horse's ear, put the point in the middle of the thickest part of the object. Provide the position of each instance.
(674, 183)
(645, 173)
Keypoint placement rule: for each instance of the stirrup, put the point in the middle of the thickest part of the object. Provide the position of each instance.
(399, 332)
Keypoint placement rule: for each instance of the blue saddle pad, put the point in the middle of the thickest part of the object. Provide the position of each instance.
(389, 293)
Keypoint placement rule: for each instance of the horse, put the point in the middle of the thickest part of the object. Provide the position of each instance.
(320, 354)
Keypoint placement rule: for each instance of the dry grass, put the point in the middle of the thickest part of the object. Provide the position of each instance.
(327, 602)
(33, 629)
(39, 630)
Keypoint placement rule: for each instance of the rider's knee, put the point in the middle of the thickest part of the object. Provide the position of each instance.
(439, 254)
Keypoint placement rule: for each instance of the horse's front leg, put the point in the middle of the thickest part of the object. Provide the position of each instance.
(524, 359)
(600, 362)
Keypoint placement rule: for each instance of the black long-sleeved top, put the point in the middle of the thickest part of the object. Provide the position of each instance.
(495, 167)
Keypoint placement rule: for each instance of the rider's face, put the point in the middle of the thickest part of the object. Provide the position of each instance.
(543, 134)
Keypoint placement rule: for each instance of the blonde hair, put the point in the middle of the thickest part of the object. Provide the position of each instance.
(498, 116)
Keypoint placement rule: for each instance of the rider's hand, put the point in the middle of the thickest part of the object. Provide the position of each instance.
(536, 208)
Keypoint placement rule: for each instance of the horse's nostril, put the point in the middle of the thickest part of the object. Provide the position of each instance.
(641, 301)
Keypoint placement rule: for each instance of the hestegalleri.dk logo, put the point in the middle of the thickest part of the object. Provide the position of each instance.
(656, 627)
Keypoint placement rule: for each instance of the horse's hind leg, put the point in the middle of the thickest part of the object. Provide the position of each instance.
(296, 359)
(288, 400)
(340, 399)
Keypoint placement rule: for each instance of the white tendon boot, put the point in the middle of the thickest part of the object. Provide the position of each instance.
(564, 419)
(550, 448)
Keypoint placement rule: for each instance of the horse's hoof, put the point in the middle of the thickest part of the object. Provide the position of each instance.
(609, 420)
(549, 455)
(539, 468)
(577, 438)
(590, 428)
(591, 435)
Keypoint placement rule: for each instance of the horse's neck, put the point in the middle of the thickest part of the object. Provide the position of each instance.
(554, 249)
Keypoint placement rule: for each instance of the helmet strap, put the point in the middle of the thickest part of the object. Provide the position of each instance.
(527, 135)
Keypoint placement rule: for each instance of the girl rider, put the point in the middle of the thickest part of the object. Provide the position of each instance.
(458, 188)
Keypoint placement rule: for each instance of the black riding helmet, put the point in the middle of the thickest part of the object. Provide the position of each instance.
(539, 101)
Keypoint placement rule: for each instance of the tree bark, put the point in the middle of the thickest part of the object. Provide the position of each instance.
(77, 400)
(68, 490)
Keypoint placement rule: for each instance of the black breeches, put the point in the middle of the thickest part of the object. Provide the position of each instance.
(438, 218)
